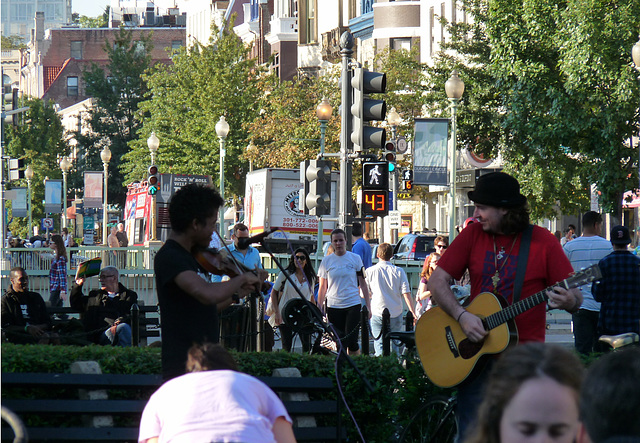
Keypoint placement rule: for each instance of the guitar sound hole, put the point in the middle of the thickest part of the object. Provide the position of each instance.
(469, 349)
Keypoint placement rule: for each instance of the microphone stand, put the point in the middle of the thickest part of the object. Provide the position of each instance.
(326, 327)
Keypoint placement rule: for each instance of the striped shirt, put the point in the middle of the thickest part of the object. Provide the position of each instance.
(58, 274)
(583, 252)
(619, 293)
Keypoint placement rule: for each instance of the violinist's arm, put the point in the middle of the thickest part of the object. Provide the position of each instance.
(221, 293)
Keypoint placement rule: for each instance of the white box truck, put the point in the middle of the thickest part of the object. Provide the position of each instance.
(272, 200)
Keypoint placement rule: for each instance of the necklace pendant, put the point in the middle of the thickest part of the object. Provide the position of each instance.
(495, 279)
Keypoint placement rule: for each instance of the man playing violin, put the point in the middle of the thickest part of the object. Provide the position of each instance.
(189, 302)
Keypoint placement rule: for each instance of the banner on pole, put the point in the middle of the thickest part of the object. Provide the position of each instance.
(430, 151)
(93, 189)
(19, 203)
(53, 196)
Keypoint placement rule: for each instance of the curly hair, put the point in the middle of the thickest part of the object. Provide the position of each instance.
(193, 202)
(516, 219)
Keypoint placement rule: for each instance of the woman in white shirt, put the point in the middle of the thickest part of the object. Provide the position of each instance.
(341, 277)
(304, 277)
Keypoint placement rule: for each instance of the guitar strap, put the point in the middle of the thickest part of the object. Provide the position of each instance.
(523, 258)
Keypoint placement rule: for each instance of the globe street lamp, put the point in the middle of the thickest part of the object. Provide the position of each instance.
(105, 156)
(153, 142)
(251, 149)
(454, 88)
(323, 112)
(393, 118)
(28, 174)
(65, 165)
(222, 130)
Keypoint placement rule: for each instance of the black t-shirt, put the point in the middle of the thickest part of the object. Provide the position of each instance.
(184, 319)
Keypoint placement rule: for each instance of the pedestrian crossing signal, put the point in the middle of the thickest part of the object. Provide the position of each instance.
(375, 175)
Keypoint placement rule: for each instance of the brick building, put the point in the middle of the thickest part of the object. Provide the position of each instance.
(55, 60)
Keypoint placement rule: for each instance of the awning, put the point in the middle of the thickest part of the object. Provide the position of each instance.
(71, 213)
(631, 200)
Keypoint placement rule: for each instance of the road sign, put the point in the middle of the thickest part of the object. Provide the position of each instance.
(47, 223)
(394, 219)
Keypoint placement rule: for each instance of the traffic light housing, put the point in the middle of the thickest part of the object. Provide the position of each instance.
(316, 176)
(153, 181)
(390, 154)
(16, 168)
(365, 109)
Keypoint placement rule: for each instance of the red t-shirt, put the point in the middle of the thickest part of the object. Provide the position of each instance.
(547, 265)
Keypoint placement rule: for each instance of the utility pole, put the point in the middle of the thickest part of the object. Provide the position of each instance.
(345, 218)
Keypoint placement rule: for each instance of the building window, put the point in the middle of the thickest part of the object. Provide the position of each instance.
(76, 50)
(367, 6)
(308, 32)
(176, 44)
(72, 86)
(401, 43)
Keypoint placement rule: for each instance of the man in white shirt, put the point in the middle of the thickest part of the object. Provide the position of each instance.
(584, 251)
(388, 285)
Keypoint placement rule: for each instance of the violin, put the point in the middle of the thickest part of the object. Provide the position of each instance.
(215, 262)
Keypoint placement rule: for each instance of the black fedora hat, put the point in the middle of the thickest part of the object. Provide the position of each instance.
(497, 189)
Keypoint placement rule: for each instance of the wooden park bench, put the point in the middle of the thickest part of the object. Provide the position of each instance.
(54, 407)
(147, 325)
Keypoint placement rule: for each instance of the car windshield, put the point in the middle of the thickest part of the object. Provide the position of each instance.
(424, 245)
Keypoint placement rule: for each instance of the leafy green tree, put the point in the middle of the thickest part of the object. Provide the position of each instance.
(569, 92)
(287, 130)
(186, 100)
(100, 21)
(39, 141)
(117, 91)
(12, 42)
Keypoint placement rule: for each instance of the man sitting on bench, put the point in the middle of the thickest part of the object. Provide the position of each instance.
(24, 313)
(107, 311)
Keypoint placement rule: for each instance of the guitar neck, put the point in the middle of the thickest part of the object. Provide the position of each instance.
(510, 312)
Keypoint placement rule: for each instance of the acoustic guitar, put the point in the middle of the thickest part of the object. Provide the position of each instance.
(448, 357)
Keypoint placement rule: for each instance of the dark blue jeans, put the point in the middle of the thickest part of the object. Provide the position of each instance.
(470, 394)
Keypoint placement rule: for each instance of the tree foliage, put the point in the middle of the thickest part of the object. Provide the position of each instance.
(100, 21)
(570, 93)
(39, 141)
(116, 90)
(287, 130)
(185, 102)
(12, 42)
(549, 87)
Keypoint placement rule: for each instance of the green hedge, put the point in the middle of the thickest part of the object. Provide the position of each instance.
(397, 391)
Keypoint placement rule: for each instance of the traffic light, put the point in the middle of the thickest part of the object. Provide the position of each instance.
(365, 109)
(390, 154)
(154, 180)
(316, 176)
(375, 189)
(16, 166)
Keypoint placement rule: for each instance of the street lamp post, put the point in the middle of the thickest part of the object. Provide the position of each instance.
(65, 165)
(251, 148)
(393, 118)
(454, 88)
(28, 173)
(105, 156)
(323, 112)
(222, 130)
(153, 142)
(635, 53)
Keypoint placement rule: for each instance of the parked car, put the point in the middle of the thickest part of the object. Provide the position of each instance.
(415, 246)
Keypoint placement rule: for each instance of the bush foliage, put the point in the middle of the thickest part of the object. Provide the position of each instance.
(396, 391)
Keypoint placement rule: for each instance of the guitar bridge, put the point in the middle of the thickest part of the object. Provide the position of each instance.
(453, 347)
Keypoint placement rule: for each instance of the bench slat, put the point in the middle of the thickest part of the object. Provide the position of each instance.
(76, 406)
(77, 434)
(81, 380)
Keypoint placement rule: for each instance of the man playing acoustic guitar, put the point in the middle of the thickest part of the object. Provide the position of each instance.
(490, 250)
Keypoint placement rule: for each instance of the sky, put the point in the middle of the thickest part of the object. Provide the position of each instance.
(90, 8)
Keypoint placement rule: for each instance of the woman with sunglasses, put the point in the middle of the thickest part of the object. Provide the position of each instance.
(304, 277)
